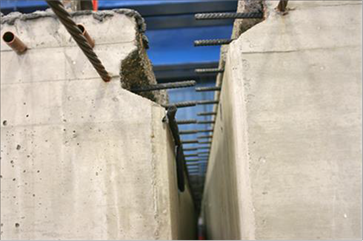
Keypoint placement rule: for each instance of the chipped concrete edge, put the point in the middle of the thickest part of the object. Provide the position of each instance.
(136, 59)
(99, 15)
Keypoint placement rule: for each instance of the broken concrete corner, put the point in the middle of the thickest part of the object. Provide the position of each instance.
(110, 29)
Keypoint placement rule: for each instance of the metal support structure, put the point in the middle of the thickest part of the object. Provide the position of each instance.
(212, 42)
(77, 35)
(172, 85)
(205, 137)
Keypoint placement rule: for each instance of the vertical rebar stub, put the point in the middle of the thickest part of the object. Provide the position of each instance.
(14, 42)
(90, 40)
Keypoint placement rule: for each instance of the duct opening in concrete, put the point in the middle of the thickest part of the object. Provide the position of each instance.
(8, 37)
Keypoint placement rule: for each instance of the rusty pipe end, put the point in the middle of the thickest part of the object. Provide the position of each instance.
(90, 41)
(14, 42)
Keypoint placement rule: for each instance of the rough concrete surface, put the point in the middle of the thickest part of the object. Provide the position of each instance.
(120, 31)
(286, 154)
(81, 158)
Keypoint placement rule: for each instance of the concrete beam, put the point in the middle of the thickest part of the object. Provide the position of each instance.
(285, 161)
(81, 158)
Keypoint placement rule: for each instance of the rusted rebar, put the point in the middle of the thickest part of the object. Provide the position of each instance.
(205, 122)
(172, 85)
(212, 42)
(185, 122)
(206, 113)
(208, 71)
(181, 104)
(190, 149)
(190, 155)
(14, 42)
(212, 88)
(188, 132)
(189, 141)
(213, 16)
(207, 102)
(204, 142)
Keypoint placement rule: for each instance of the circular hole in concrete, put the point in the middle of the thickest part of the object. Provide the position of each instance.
(8, 37)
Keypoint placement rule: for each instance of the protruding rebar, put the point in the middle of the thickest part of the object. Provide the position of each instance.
(205, 137)
(214, 88)
(208, 71)
(189, 141)
(192, 164)
(204, 142)
(190, 155)
(196, 160)
(76, 33)
(14, 42)
(172, 85)
(191, 160)
(207, 130)
(90, 40)
(188, 132)
(205, 122)
(206, 113)
(190, 149)
(212, 42)
(207, 102)
(204, 147)
(213, 16)
(185, 122)
(181, 104)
